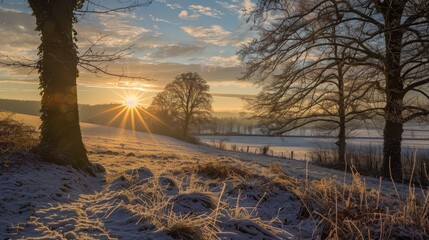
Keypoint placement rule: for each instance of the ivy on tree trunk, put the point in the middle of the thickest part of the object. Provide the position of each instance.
(61, 139)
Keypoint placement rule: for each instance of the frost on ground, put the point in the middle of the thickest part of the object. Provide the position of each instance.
(160, 188)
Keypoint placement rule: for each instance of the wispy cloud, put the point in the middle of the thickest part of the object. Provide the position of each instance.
(234, 8)
(121, 28)
(173, 5)
(17, 34)
(226, 61)
(175, 50)
(207, 11)
(215, 34)
(169, 4)
(156, 19)
(232, 95)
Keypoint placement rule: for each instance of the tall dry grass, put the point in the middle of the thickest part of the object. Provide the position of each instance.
(353, 211)
(368, 160)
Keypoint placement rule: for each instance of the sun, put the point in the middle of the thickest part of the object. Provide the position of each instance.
(131, 102)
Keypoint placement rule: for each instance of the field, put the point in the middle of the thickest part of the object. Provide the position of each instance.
(415, 137)
(156, 187)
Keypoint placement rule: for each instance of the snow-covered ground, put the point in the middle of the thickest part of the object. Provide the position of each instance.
(151, 188)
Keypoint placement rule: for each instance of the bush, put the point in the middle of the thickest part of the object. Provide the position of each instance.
(265, 149)
(16, 137)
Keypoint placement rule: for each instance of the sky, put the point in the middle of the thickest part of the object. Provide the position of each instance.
(167, 38)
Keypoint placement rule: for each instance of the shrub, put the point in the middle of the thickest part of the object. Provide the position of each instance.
(16, 137)
(265, 149)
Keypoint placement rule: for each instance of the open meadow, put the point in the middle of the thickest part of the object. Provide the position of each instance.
(156, 187)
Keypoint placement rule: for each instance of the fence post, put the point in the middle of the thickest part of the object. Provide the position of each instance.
(291, 154)
(247, 148)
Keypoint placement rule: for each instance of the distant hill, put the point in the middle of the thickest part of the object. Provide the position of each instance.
(20, 106)
(87, 112)
(104, 114)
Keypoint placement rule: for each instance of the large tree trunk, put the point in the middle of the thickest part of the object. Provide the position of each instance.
(61, 139)
(186, 125)
(392, 166)
(341, 143)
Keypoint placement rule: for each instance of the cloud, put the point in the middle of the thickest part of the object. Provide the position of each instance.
(248, 5)
(175, 50)
(120, 27)
(229, 6)
(170, 5)
(207, 11)
(185, 15)
(232, 95)
(162, 73)
(17, 34)
(156, 19)
(174, 5)
(215, 34)
(226, 61)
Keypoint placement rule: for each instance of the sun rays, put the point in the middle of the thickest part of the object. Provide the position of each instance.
(130, 114)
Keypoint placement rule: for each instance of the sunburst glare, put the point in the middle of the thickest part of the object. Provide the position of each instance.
(131, 102)
(131, 113)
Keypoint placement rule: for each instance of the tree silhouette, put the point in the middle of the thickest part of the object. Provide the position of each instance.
(189, 100)
(313, 84)
(387, 39)
(61, 139)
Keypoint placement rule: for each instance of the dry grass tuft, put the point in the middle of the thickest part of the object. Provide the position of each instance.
(224, 170)
(350, 211)
(196, 202)
(191, 227)
(16, 137)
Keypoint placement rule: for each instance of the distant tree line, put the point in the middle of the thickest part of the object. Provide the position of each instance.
(227, 126)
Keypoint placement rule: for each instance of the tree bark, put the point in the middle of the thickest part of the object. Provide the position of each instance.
(341, 143)
(61, 139)
(392, 166)
(186, 125)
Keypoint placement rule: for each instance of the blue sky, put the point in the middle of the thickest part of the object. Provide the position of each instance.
(168, 37)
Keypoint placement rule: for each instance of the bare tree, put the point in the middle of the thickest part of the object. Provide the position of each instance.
(390, 37)
(303, 66)
(191, 98)
(61, 139)
(164, 110)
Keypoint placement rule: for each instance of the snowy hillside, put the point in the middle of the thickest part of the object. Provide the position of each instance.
(156, 187)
